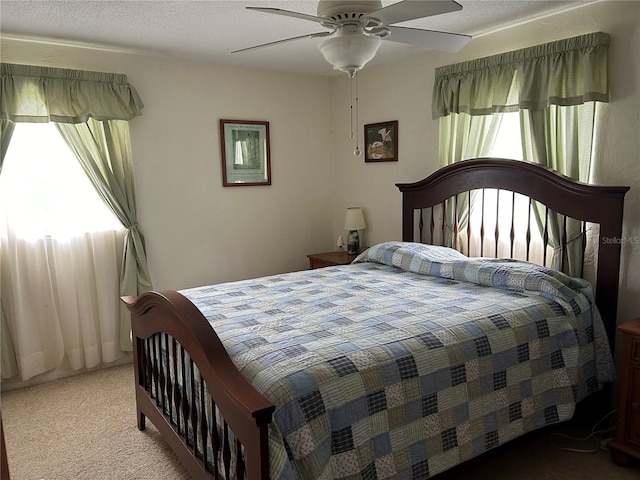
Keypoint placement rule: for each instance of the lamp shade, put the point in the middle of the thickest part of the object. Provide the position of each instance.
(354, 219)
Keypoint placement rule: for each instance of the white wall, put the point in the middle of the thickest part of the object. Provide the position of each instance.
(402, 91)
(200, 232)
(197, 231)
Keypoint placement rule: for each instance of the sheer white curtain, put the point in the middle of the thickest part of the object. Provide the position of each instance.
(61, 300)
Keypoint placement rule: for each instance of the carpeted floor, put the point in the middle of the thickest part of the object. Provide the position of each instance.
(84, 428)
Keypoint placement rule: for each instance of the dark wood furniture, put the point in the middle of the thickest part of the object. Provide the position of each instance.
(156, 316)
(626, 444)
(4, 464)
(329, 259)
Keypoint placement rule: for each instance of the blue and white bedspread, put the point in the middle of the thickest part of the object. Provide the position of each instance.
(409, 361)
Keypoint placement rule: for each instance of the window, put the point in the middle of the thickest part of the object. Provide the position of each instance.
(509, 139)
(556, 103)
(503, 211)
(59, 259)
(43, 190)
(62, 252)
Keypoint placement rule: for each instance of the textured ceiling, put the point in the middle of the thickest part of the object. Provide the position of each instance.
(210, 30)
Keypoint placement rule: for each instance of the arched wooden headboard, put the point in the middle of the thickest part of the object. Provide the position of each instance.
(601, 205)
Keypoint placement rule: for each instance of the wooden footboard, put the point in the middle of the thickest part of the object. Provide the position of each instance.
(186, 384)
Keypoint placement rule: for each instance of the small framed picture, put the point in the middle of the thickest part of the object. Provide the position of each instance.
(246, 157)
(381, 142)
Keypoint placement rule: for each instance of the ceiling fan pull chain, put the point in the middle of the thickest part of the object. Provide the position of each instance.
(351, 107)
(356, 152)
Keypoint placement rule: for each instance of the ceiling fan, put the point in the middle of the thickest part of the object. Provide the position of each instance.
(356, 29)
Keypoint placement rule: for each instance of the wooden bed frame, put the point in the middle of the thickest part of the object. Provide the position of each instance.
(166, 321)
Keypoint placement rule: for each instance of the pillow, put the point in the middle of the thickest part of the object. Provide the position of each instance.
(409, 255)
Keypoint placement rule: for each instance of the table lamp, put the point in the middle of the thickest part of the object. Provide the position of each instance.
(353, 222)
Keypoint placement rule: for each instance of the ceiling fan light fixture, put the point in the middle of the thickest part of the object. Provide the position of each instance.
(349, 53)
(357, 27)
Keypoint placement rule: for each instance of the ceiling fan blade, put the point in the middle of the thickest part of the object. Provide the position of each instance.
(448, 42)
(309, 35)
(289, 13)
(412, 9)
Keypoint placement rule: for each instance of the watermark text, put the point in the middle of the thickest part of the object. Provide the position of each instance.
(628, 240)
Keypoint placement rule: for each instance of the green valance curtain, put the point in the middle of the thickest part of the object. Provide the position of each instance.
(566, 72)
(44, 94)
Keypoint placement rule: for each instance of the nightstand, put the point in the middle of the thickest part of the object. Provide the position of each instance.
(328, 259)
(626, 444)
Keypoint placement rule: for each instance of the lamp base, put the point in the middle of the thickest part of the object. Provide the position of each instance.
(353, 242)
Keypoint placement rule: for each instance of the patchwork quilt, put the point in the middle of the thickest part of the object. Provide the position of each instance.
(410, 360)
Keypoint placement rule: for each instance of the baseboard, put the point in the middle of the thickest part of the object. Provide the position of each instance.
(59, 373)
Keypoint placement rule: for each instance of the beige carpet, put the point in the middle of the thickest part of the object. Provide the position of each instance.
(84, 427)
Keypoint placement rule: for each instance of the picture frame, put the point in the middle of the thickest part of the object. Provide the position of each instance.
(245, 153)
(381, 142)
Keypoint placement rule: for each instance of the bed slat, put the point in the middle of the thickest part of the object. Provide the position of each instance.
(563, 248)
(456, 226)
(469, 230)
(176, 387)
(215, 438)
(583, 248)
(482, 226)
(169, 392)
(443, 226)
(193, 418)
(528, 234)
(496, 233)
(512, 233)
(226, 450)
(545, 236)
(203, 425)
(240, 467)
